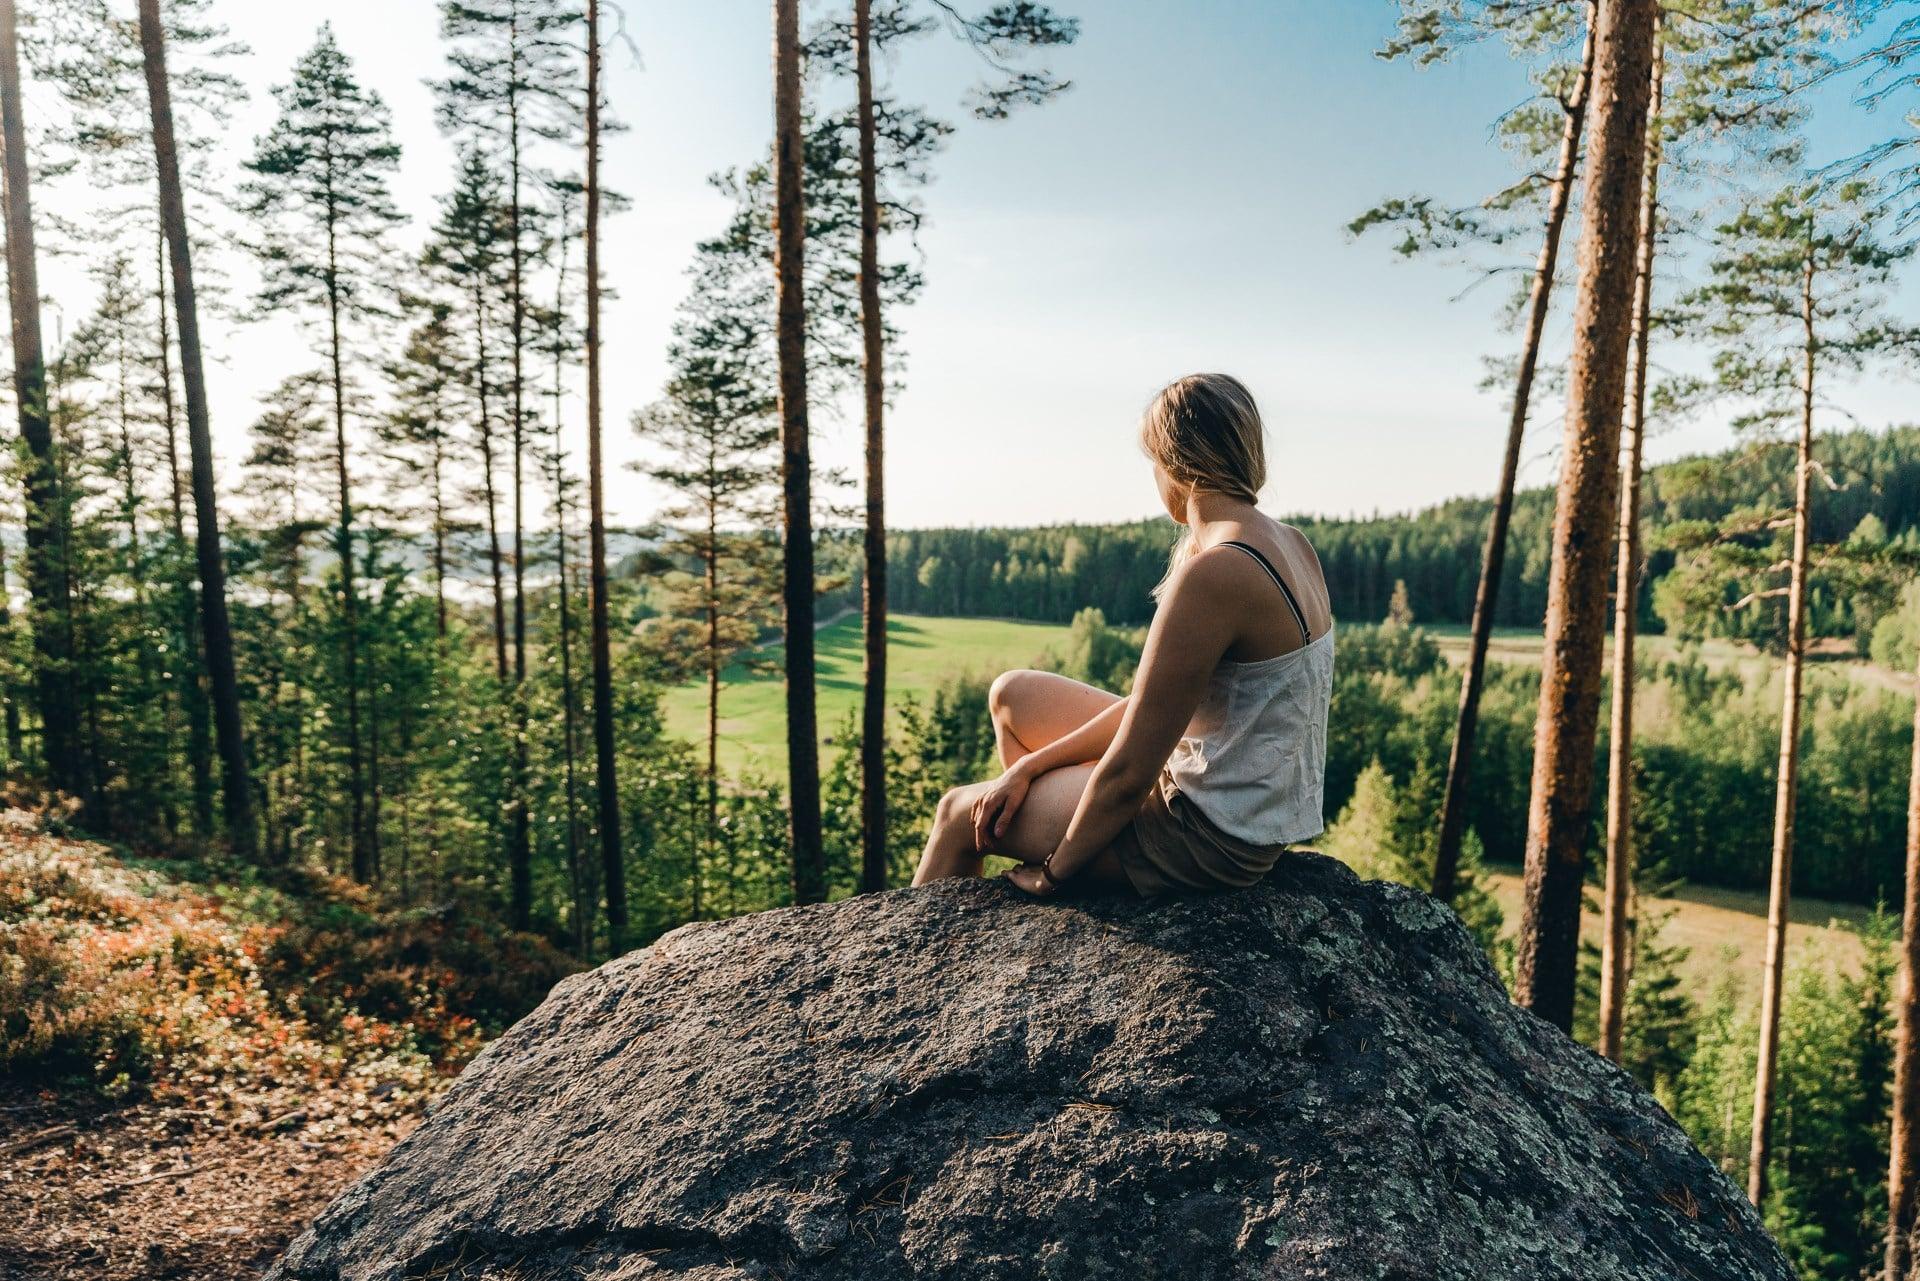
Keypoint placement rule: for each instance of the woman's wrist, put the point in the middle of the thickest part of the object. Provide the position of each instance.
(1027, 767)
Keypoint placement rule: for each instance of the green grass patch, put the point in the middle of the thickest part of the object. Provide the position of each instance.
(922, 654)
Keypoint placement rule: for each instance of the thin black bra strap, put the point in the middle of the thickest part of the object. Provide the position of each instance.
(1278, 581)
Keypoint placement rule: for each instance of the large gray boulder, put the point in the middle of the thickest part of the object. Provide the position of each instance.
(1315, 1078)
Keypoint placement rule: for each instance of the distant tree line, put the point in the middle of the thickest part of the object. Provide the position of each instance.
(1049, 573)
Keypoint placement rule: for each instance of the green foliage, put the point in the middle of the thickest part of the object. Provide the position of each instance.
(1896, 636)
(1386, 832)
(1097, 654)
(1827, 1199)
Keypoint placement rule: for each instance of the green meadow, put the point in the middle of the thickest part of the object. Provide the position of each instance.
(923, 653)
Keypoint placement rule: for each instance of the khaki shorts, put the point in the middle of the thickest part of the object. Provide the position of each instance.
(1170, 846)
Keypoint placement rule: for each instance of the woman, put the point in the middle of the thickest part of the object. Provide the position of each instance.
(1201, 776)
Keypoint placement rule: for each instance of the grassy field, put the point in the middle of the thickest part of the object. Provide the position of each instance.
(1521, 645)
(922, 653)
(1723, 930)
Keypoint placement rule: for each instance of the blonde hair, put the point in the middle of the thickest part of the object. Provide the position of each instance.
(1205, 431)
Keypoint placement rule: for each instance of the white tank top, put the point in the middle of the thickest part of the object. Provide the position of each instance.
(1254, 757)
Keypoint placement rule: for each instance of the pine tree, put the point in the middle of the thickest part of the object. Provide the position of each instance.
(1894, 646)
(796, 465)
(1614, 962)
(1571, 661)
(319, 193)
(215, 626)
(418, 432)
(96, 57)
(999, 33)
(715, 432)
(1798, 291)
(1430, 30)
(606, 767)
(49, 585)
(284, 466)
(514, 83)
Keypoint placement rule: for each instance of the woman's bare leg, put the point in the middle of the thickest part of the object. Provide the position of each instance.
(1036, 831)
(1031, 709)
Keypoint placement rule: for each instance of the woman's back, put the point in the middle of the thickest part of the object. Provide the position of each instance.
(1253, 759)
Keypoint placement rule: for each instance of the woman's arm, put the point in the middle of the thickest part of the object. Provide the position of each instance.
(1196, 622)
(1000, 802)
(1088, 743)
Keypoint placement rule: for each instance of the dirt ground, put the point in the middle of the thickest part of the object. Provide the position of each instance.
(171, 1191)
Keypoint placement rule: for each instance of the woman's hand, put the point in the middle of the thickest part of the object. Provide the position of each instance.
(1028, 877)
(994, 810)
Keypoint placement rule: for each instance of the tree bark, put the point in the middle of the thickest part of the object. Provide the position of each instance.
(8, 695)
(803, 744)
(1571, 661)
(1615, 952)
(358, 850)
(1779, 894)
(1453, 808)
(613, 869)
(1903, 1177)
(486, 482)
(192, 678)
(47, 572)
(873, 711)
(520, 836)
(216, 629)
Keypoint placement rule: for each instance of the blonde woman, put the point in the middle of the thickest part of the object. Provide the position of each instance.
(1202, 776)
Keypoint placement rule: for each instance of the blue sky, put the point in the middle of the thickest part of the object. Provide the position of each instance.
(1182, 208)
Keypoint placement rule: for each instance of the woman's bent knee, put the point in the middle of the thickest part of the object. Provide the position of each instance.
(1006, 690)
(955, 806)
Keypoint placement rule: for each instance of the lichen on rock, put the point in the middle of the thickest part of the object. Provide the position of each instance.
(1315, 1078)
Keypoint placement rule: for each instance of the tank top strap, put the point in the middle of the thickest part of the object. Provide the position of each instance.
(1292, 602)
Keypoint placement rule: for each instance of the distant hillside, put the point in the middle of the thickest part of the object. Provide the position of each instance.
(1047, 573)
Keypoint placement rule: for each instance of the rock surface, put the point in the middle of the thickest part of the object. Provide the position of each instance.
(1315, 1078)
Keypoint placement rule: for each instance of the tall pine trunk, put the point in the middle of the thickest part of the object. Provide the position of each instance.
(191, 675)
(803, 745)
(49, 586)
(1453, 809)
(490, 491)
(1903, 1177)
(1615, 952)
(712, 558)
(520, 835)
(216, 629)
(9, 697)
(613, 869)
(569, 702)
(873, 711)
(437, 465)
(1584, 513)
(1779, 892)
(358, 849)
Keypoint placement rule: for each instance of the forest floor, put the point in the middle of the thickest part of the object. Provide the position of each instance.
(193, 1064)
(176, 1189)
